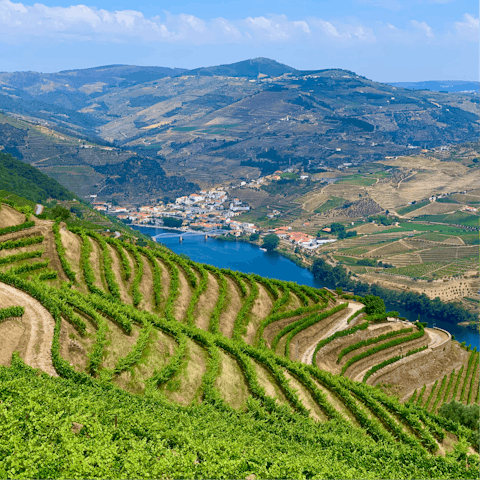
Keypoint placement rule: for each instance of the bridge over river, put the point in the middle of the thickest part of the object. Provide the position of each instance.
(188, 233)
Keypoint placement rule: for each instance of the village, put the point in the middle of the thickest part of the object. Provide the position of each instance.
(209, 210)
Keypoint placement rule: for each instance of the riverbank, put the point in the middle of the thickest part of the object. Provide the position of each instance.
(246, 256)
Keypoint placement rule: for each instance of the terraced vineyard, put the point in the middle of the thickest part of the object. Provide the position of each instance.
(98, 309)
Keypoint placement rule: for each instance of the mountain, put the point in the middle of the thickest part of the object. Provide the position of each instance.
(253, 68)
(88, 168)
(441, 86)
(218, 124)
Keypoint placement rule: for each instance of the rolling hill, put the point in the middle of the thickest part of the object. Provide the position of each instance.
(171, 367)
(28, 181)
(87, 168)
(207, 124)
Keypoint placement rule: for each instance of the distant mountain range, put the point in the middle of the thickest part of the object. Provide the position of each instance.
(221, 123)
(441, 85)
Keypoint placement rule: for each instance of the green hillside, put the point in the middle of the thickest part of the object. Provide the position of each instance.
(28, 182)
(155, 366)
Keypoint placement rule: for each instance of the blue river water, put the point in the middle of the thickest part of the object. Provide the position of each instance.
(248, 258)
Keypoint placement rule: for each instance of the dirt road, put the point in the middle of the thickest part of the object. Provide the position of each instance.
(342, 324)
(32, 338)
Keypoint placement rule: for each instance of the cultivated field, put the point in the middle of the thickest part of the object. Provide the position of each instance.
(155, 323)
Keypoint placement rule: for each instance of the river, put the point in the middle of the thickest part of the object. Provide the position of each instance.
(248, 258)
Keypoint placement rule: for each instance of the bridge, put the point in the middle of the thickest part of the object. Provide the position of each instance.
(189, 233)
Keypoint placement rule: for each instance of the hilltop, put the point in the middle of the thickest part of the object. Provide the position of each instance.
(267, 368)
(221, 123)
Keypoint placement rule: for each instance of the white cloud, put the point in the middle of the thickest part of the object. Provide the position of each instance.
(24, 24)
(468, 28)
(423, 27)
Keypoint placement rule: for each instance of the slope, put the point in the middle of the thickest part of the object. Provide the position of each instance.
(162, 353)
(28, 181)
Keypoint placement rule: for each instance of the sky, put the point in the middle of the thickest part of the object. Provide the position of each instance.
(385, 40)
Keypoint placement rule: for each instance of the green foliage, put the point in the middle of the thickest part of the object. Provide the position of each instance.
(270, 242)
(76, 210)
(384, 346)
(373, 305)
(331, 203)
(457, 382)
(355, 314)
(29, 267)
(200, 288)
(221, 300)
(87, 269)
(135, 354)
(273, 317)
(20, 256)
(308, 322)
(410, 208)
(337, 228)
(439, 393)
(243, 316)
(29, 182)
(17, 228)
(145, 423)
(136, 294)
(463, 414)
(339, 334)
(427, 403)
(370, 341)
(172, 222)
(236, 277)
(61, 252)
(21, 242)
(157, 277)
(107, 265)
(383, 220)
(471, 391)
(449, 386)
(367, 262)
(254, 237)
(11, 312)
(391, 360)
(174, 287)
(420, 397)
(59, 212)
(127, 271)
(471, 360)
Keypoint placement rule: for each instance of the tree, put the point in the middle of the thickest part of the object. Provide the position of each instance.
(374, 305)
(254, 237)
(270, 242)
(60, 212)
(77, 211)
(172, 222)
(337, 229)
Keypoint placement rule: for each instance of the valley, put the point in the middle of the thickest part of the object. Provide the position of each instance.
(224, 357)
(221, 124)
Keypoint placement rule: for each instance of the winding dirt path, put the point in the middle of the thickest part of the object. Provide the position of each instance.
(342, 324)
(35, 342)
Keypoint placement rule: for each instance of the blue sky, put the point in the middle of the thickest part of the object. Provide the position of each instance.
(386, 40)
